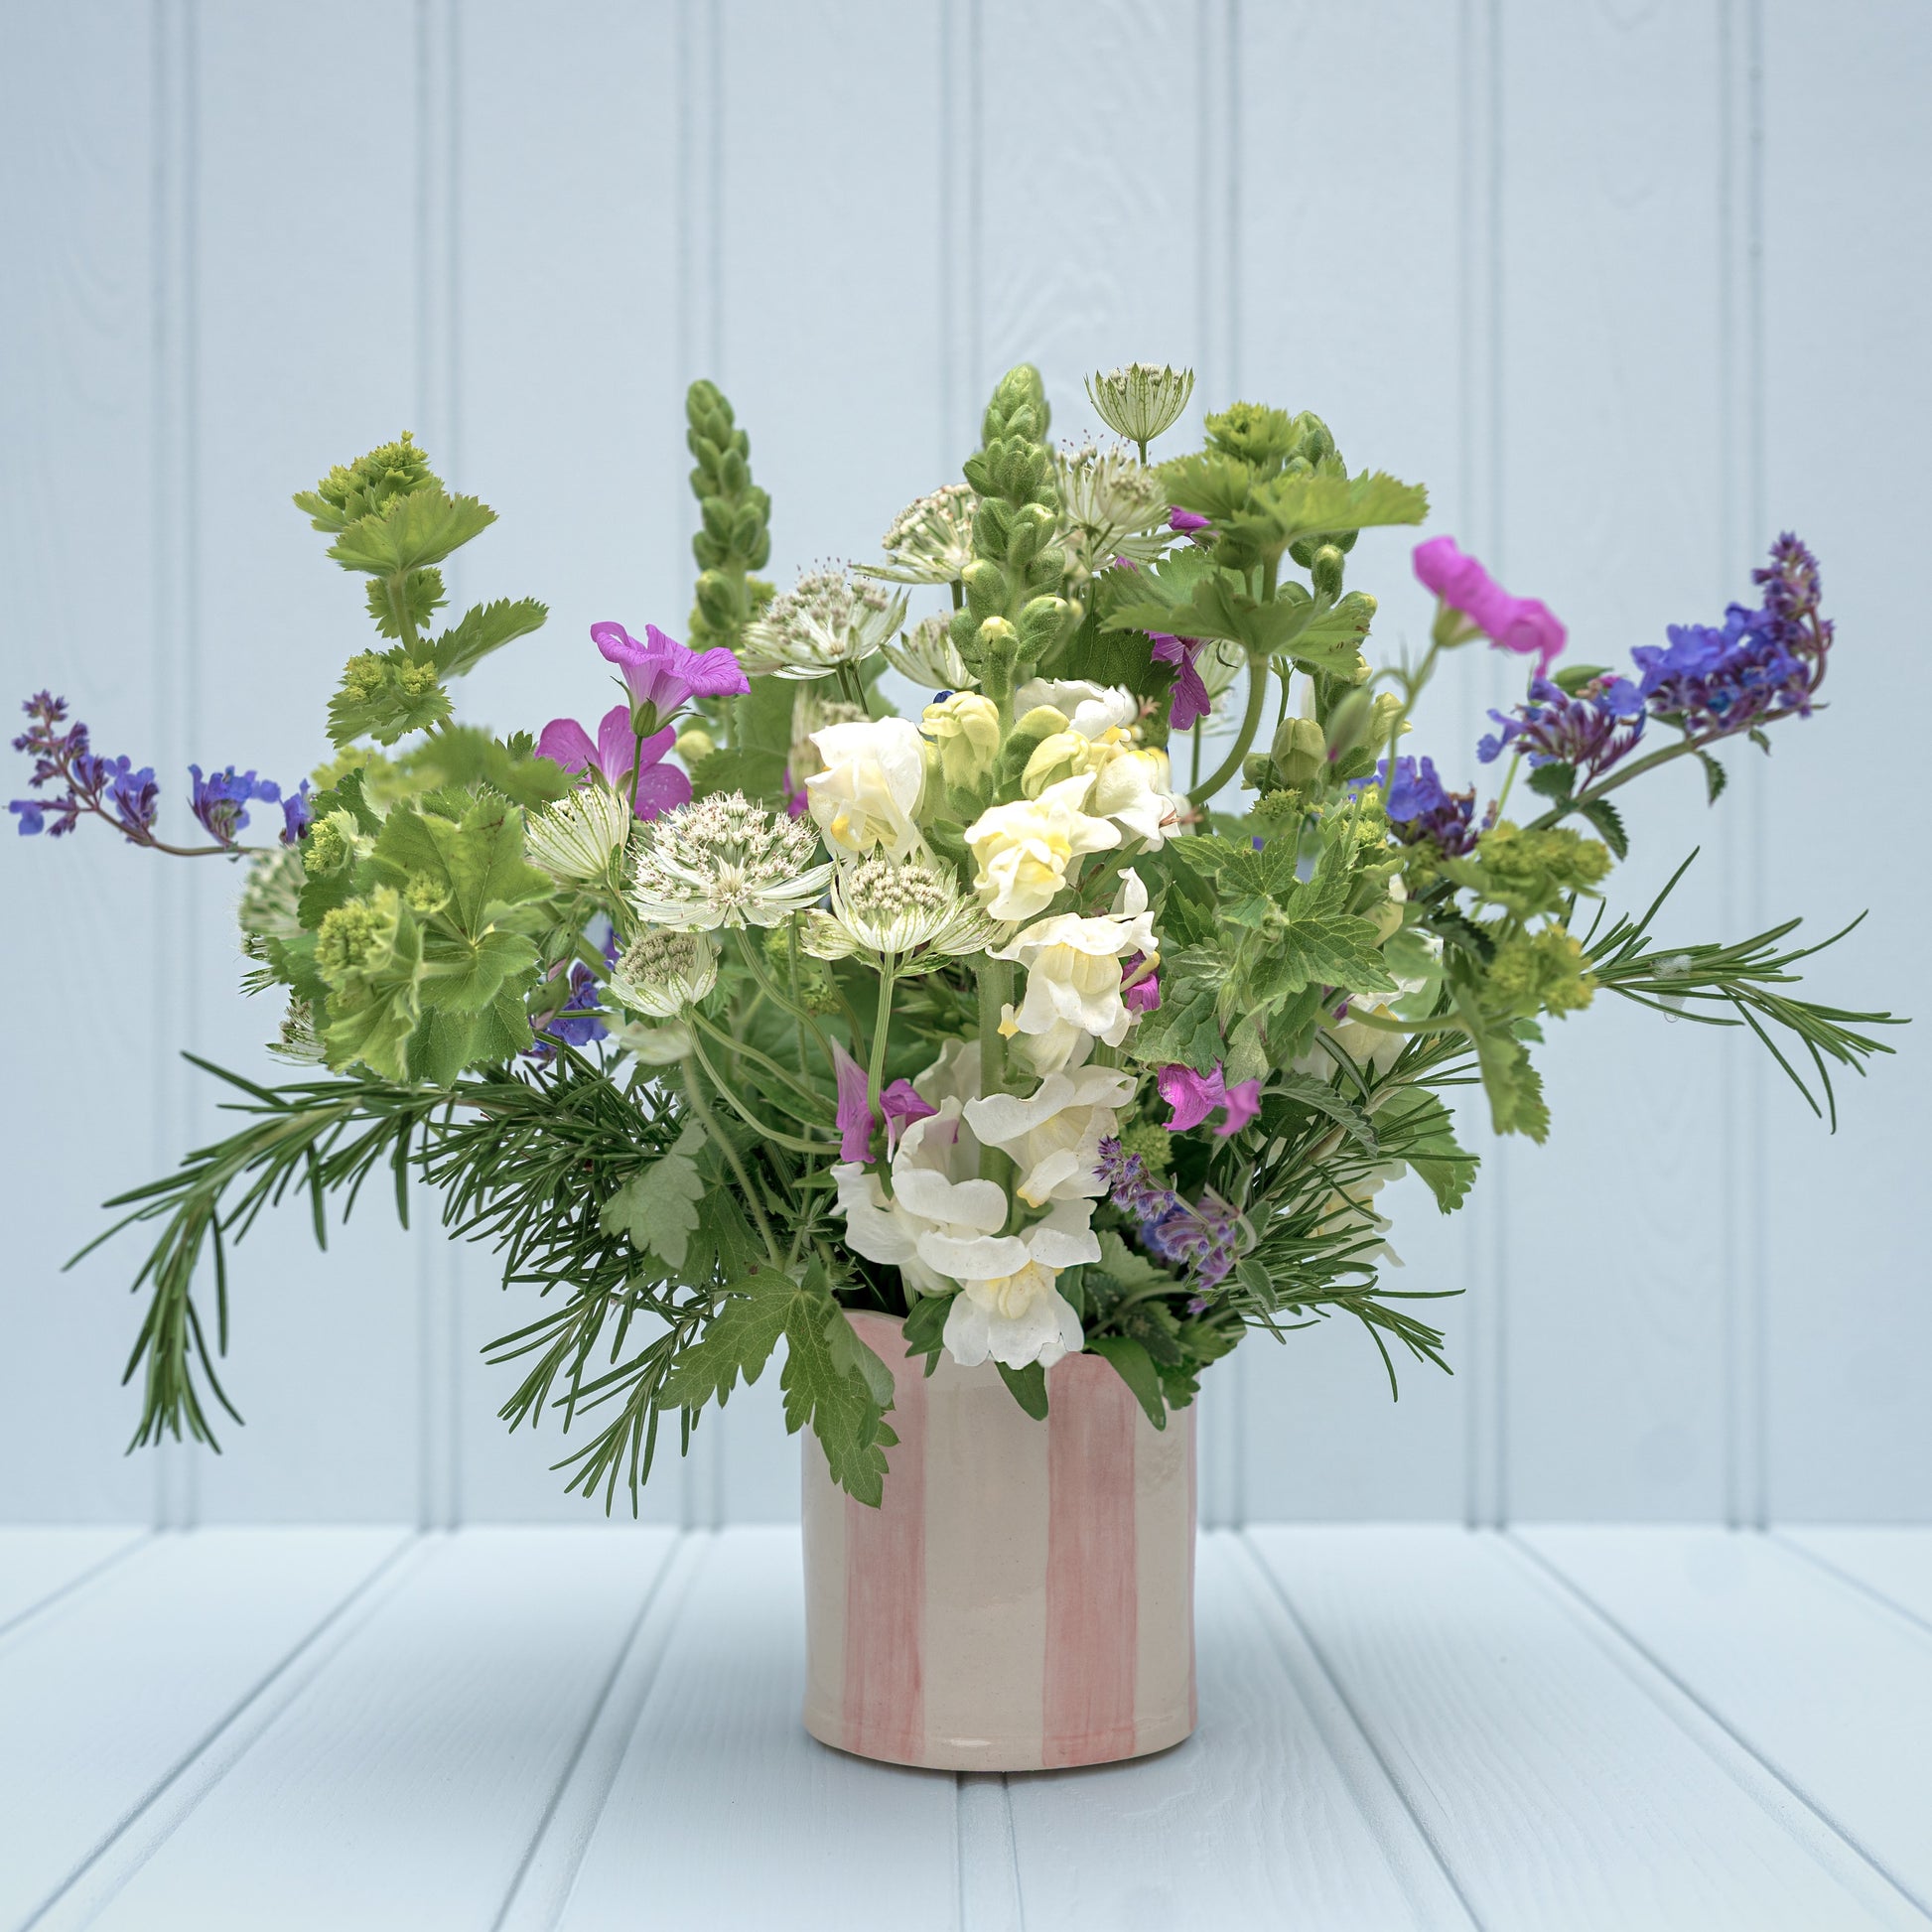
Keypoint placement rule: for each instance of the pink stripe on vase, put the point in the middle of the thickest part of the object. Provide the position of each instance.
(1093, 1591)
(884, 1581)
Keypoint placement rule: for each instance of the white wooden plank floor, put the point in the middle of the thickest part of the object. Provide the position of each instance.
(509, 1730)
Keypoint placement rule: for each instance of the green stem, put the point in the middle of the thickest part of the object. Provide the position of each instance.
(1230, 765)
(728, 1094)
(1509, 779)
(881, 1025)
(694, 1090)
(996, 989)
(746, 1051)
(769, 987)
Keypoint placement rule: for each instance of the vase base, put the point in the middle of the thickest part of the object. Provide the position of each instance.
(1003, 1754)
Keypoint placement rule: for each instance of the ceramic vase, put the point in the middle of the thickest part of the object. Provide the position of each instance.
(1025, 1597)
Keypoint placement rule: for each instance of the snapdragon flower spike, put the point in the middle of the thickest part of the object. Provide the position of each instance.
(1524, 624)
(1189, 701)
(662, 675)
(627, 765)
(1194, 1096)
(1422, 808)
(854, 1119)
(219, 801)
(1591, 728)
(1715, 681)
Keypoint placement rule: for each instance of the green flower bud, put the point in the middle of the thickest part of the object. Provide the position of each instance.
(1300, 751)
(1254, 433)
(357, 938)
(425, 894)
(694, 743)
(1326, 568)
(1155, 1146)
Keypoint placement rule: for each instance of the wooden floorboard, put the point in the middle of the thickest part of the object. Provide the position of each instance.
(569, 1731)
(1829, 1689)
(1562, 1779)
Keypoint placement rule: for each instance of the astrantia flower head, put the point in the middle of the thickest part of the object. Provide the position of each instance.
(932, 539)
(724, 861)
(1140, 400)
(825, 620)
(885, 909)
(926, 655)
(1112, 504)
(578, 839)
(663, 971)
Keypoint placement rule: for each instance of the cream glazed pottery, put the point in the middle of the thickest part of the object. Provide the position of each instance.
(1025, 1597)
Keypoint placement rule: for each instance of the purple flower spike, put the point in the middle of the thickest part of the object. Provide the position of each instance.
(661, 674)
(1189, 701)
(220, 800)
(1524, 624)
(854, 1118)
(1204, 1240)
(615, 755)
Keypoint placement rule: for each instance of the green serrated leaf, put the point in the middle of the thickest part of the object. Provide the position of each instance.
(757, 775)
(1337, 635)
(1135, 1366)
(657, 1208)
(1714, 777)
(486, 627)
(1326, 949)
(1252, 882)
(412, 531)
(1554, 780)
(823, 1385)
(405, 604)
(1514, 1087)
(925, 1327)
(1609, 822)
(736, 1342)
(1129, 1269)
(1328, 505)
(762, 718)
(1184, 1029)
(1420, 1130)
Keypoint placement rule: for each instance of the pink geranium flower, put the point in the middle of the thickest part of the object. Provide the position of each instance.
(662, 674)
(621, 759)
(1524, 624)
(1188, 699)
(854, 1118)
(1193, 1096)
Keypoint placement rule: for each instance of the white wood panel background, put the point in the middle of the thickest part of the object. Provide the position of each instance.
(1631, 287)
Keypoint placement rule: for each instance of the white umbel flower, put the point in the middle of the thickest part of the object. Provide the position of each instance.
(724, 861)
(1140, 400)
(926, 655)
(577, 839)
(662, 972)
(899, 913)
(823, 621)
(932, 539)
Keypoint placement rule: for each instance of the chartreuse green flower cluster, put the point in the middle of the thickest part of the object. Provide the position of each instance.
(753, 1003)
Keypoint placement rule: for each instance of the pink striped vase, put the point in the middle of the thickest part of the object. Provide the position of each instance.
(1025, 1597)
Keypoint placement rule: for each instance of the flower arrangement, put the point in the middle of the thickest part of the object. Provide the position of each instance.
(755, 1003)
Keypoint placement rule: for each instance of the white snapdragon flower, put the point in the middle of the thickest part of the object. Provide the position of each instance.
(1133, 787)
(930, 1217)
(1014, 1310)
(1133, 783)
(1073, 974)
(1089, 709)
(1025, 848)
(1054, 1136)
(868, 792)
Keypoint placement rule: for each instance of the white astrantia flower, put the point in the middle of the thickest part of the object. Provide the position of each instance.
(1142, 400)
(867, 794)
(577, 839)
(659, 1045)
(1073, 974)
(931, 538)
(298, 1039)
(1054, 1134)
(723, 861)
(926, 654)
(663, 971)
(1219, 663)
(823, 621)
(1024, 848)
(1111, 505)
(904, 912)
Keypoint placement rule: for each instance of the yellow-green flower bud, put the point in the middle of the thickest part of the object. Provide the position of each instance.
(1299, 751)
(1060, 754)
(694, 743)
(1326, 569)
(966, 731)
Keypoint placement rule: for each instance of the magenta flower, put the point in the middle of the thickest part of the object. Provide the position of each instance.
(617, 755)
(1193, 1096)
(661, 674)
(854, 1118)
(1189, 700)
(797, 802)
(1141, 995)
(901, 1107)
(1524, 624)
(1186, 522)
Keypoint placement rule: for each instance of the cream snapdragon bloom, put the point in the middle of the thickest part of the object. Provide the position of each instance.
(1016, 1314)
(1073, 976)
(1024, 849)
(1089, 709)
(870, 788)
(1133, 783)
(1054, 1136)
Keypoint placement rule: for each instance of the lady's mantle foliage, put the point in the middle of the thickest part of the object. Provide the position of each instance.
(757, 1003)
